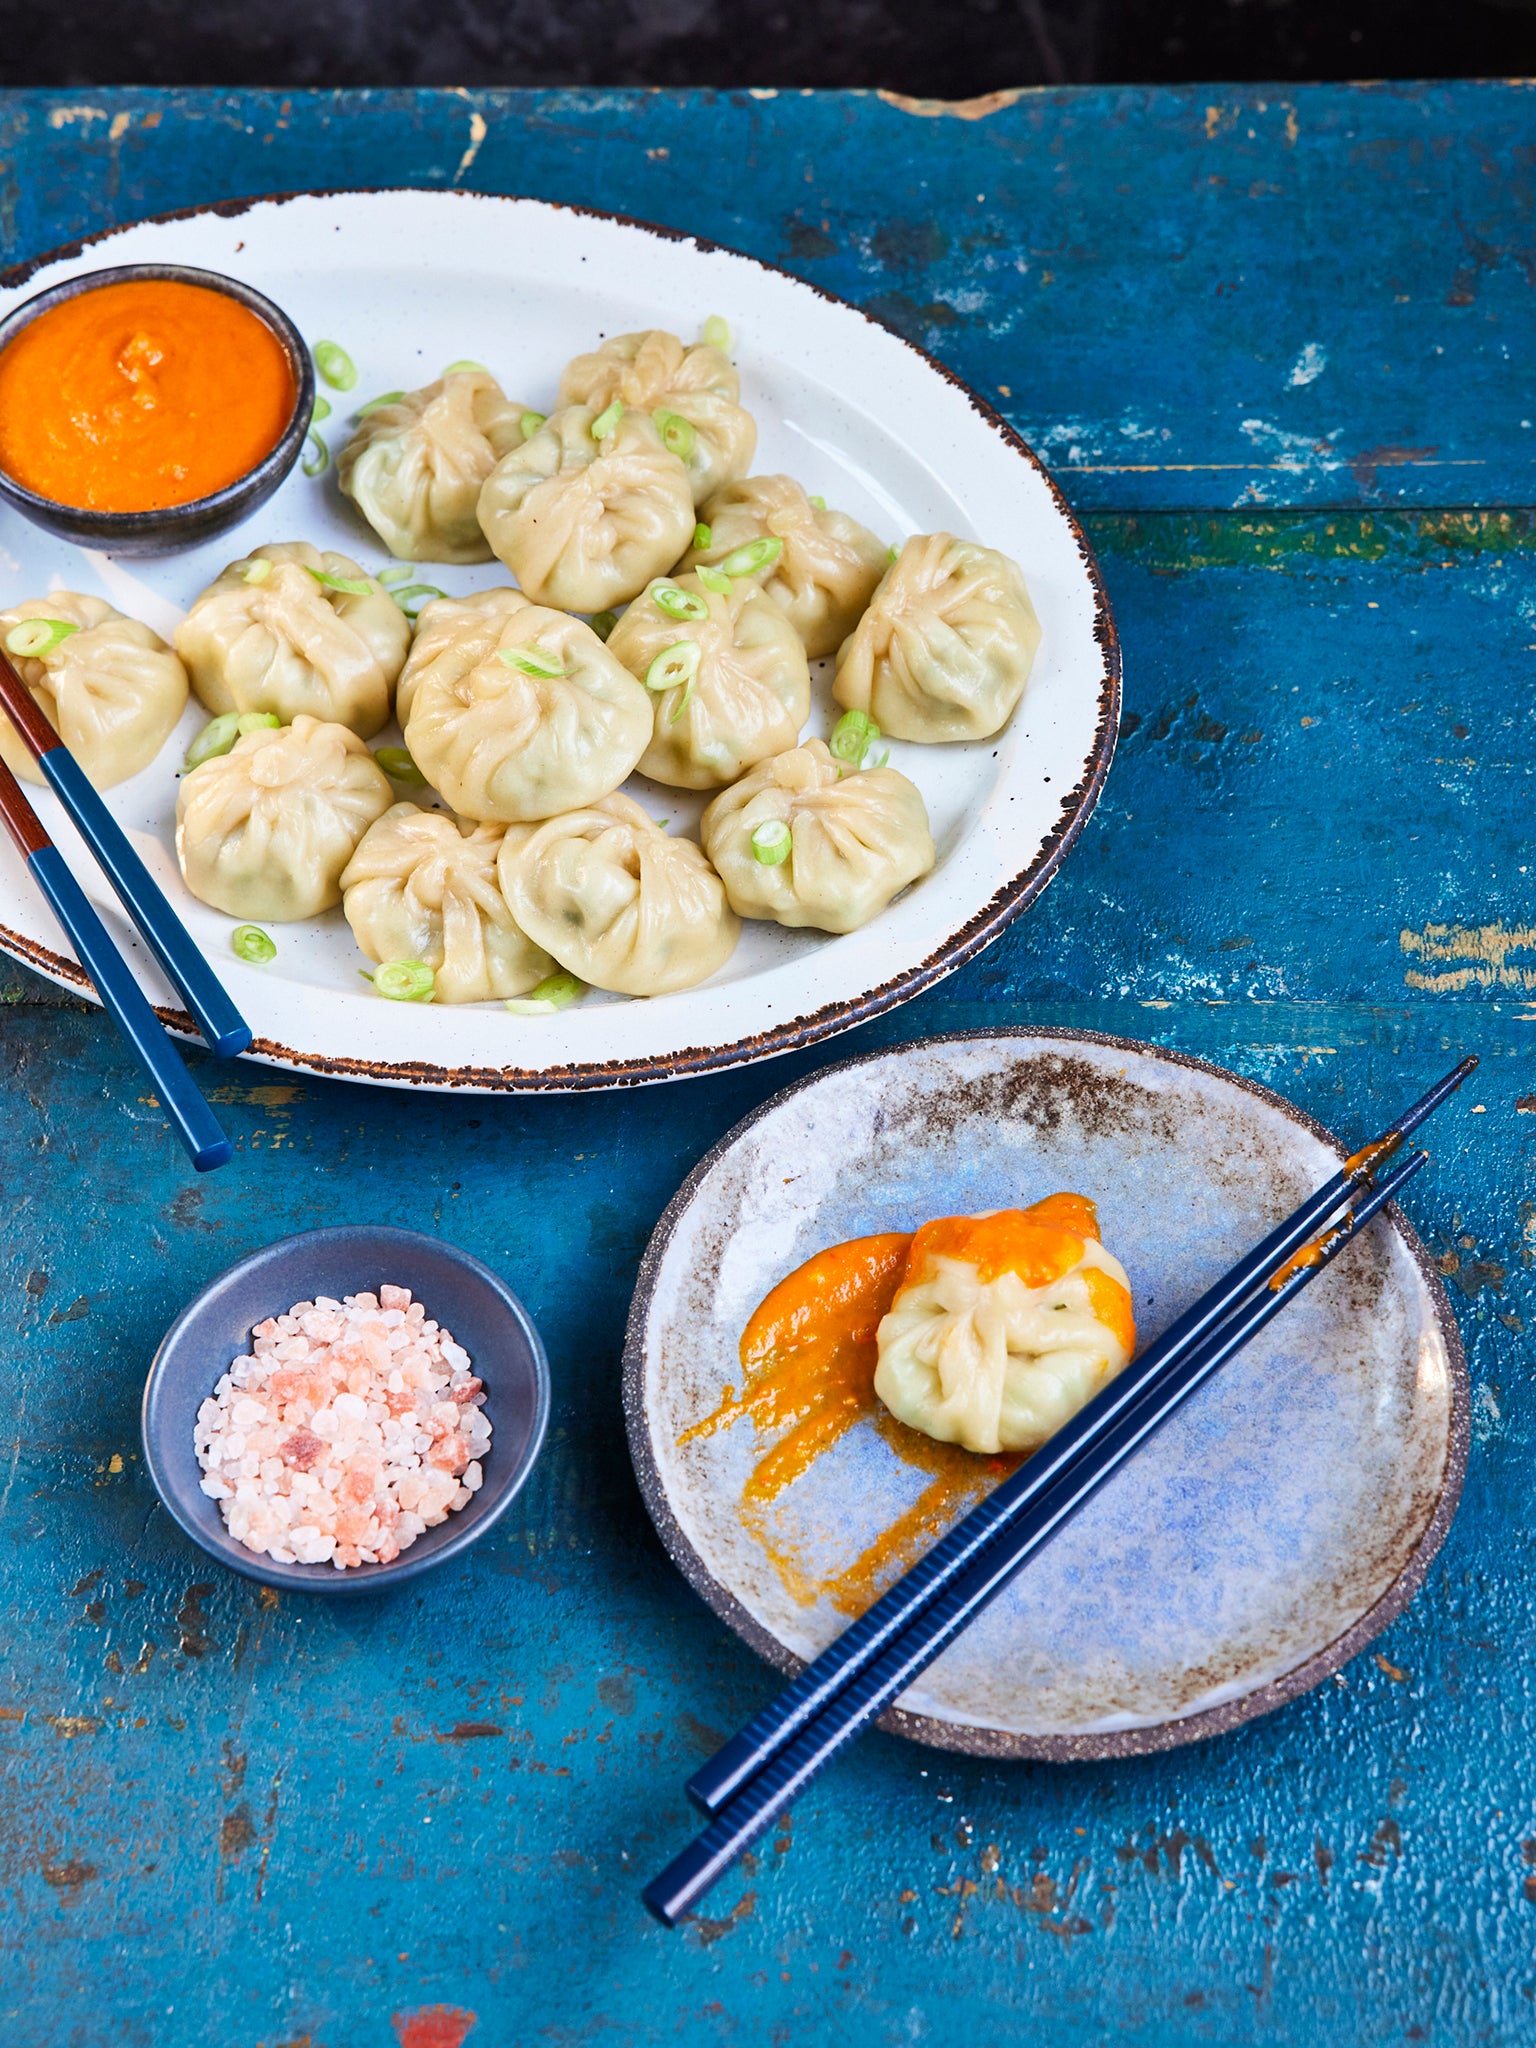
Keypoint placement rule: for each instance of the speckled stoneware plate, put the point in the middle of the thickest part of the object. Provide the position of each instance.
(1277, 1523)
(411, 281)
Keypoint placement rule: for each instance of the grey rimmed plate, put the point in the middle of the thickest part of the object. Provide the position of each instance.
(1270, 1531)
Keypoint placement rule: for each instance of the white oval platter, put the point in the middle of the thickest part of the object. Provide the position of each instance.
(409, 281)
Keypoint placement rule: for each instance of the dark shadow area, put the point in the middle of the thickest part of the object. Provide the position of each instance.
(956, 50)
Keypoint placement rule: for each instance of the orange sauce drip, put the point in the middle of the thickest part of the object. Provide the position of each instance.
(808, 1357)
(1368, 1156)
(141, 395)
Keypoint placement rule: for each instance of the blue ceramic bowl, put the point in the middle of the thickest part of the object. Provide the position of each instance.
(460, 1293)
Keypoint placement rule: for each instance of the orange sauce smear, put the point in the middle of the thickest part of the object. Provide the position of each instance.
(808, 1355)
(141, 395)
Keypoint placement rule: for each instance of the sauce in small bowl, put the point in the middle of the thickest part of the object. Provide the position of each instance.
(149, 407)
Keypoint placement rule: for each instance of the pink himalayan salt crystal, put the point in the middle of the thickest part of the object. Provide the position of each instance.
(349, 1429)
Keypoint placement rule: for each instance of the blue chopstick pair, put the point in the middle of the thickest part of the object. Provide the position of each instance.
(761, 1771)
(212, 1009)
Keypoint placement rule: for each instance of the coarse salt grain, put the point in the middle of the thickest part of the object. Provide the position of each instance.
(350, 1429)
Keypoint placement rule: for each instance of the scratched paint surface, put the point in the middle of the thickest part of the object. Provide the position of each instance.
(424, 1817)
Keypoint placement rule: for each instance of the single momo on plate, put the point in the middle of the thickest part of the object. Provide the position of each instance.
(414, 467)
(946, 646)
(692, 394)
(803, 842)
(726, 673)
(1004, 1325)
(584, 520)
(824, 569)
(422, 887)
(265, 830)
(618, 902)
(298, 631)
(112, 689)
(545, 720)
(454, 635)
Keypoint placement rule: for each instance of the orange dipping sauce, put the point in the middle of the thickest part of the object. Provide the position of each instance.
(141, 395)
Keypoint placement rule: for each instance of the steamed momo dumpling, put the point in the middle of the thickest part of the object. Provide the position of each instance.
(265, 830)
(727, 677)
(421, 887)
(585, 523)
(618, 902)
(298, 631)
(1004, 1325)
(693, 395)
(414, 468)
(112, 689)
(945, 649)
(454, 635)
(855, 840)
(823, 572)
(545, 720)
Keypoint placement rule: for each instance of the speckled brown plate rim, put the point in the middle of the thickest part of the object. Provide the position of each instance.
(993, 1742)
(795, 1033)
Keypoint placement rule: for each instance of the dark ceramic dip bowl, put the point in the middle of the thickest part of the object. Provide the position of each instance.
(173, 526)
(459, 1292)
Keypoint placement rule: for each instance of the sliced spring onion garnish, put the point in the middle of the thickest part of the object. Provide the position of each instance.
(754, 555)
(531, 422)
(771, 843)
(216, 737)
(716, 332)
(674, 666)
(881, 761)
(554, 993)
(37, 637)
(465, 363)
(603, 623)
(678, 604)
(820, 504)
(349, 586)
(251, 943)
(894, 552)
(257, 721)
(607, 420)
(257, 570)
(533, 661)
(702, 535)
(335, 365)
(389, 577)
(316, 456)
(414, 596)
(405, 981)
(677, 434)
(321, 412)
(852, 737)
(399, 767)
(384, 398)
(714, 579)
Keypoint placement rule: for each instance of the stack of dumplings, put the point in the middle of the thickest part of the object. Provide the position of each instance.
(662, 611)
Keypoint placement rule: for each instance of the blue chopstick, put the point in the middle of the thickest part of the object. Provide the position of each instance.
(188, 971)
(739, 1823)
(750, 1751)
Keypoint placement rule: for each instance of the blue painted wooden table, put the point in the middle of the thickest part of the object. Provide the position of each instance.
(1279, 351)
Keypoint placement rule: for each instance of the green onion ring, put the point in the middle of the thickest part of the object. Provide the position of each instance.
(316, 456)
(257, 570)
(771, 842)
(677, 434)
(717, 334)
(404, 981)
(455, 369)
(852, 737)
(321, 412)
(554, 993)
(713, 579)
(250, 942)
(677, 604)
(893, 552)
(384, 398)
(216, 737)
(607, 420)
(674, 666)
(701, 535)
(415, 596)
(752, 556)
(349, 586)
(399, 767)
(820, 504)
(388, 577)
(531, 422)
(335, 365)
(603, 623)
(533, 661)
(257, 721)
(35, 638)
